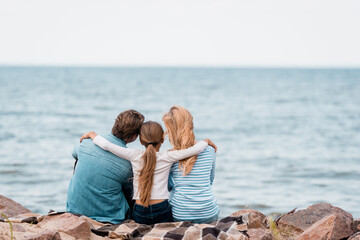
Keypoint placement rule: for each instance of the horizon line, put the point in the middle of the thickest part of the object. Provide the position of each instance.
(182, 66)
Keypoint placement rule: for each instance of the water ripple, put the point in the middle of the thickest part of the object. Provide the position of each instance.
(286, 137)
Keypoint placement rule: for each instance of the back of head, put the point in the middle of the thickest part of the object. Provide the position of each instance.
(127, 125)
(151, 134)
(180, 130)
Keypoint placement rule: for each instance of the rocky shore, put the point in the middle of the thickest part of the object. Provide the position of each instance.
(317, 222)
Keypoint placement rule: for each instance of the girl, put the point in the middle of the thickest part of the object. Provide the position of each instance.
(151, 171)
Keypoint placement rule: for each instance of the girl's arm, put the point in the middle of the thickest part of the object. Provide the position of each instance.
(178, 155)
(125, 153)
(211, 144)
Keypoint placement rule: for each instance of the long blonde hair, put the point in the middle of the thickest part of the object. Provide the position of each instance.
(180, 130)
(151, 134)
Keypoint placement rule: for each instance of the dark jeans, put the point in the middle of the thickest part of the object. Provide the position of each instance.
(156, 213)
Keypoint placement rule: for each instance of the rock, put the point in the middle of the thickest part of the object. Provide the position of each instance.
(19, 230)
(253, 218)
(4, 231)
(320, 221)
(65, 236)
(331, 227)
(356, 236)
(96, 237)
(93, 223)
(46, 235)
(67, 223)
(259, 234)
(296, 223)
(356, 225)
(11, 208)
(25, 218)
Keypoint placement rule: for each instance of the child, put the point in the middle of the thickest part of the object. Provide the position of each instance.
(151, 171)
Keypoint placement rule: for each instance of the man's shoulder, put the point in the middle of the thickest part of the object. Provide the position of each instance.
(87, 146)
(111, 138)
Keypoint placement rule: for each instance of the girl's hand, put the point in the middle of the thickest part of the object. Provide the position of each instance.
(91, 135)
(211, 143)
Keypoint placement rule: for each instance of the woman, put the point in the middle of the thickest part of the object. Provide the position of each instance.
(151, 171)
(190, 180)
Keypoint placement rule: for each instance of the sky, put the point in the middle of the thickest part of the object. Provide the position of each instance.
(268, 33)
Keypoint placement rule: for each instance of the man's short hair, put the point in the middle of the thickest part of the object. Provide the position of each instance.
(127, 124)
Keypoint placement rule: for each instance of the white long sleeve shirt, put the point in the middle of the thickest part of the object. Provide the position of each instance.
(164, 161)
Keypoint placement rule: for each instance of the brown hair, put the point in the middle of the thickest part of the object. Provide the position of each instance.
(180, 129)
(127, 124)
(151, 134)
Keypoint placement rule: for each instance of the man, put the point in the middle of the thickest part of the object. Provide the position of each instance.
(100, 183)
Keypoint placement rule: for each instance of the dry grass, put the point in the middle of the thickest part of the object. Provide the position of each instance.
(11, 226)
(279, 233)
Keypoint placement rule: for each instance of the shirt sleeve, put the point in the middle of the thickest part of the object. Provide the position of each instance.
(170, 181)
(75, 151)
(75, 154)
(125, 153)
(213, 158)
(178, 155)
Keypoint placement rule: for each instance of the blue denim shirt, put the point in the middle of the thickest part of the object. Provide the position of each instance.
(99, 182)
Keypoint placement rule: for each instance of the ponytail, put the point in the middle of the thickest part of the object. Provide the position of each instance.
(146, 177)
(151, 135)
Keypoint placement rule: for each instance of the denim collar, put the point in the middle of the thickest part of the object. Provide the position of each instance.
(118, 140)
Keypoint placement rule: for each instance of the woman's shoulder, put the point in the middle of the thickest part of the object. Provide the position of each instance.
(206, 155)
(208, 150)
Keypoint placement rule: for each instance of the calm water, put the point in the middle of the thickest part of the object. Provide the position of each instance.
(287, 137)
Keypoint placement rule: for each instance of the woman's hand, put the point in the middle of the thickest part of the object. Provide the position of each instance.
(211, 143)
(91, 135)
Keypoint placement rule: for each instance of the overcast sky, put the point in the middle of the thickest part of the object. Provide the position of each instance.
(311, 33)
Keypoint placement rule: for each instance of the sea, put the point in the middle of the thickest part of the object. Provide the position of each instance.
(287, 137)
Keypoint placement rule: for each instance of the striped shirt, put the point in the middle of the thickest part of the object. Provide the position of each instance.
(191, 196)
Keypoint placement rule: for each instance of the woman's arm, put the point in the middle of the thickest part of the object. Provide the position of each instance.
(178, 155)
(125, 153)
